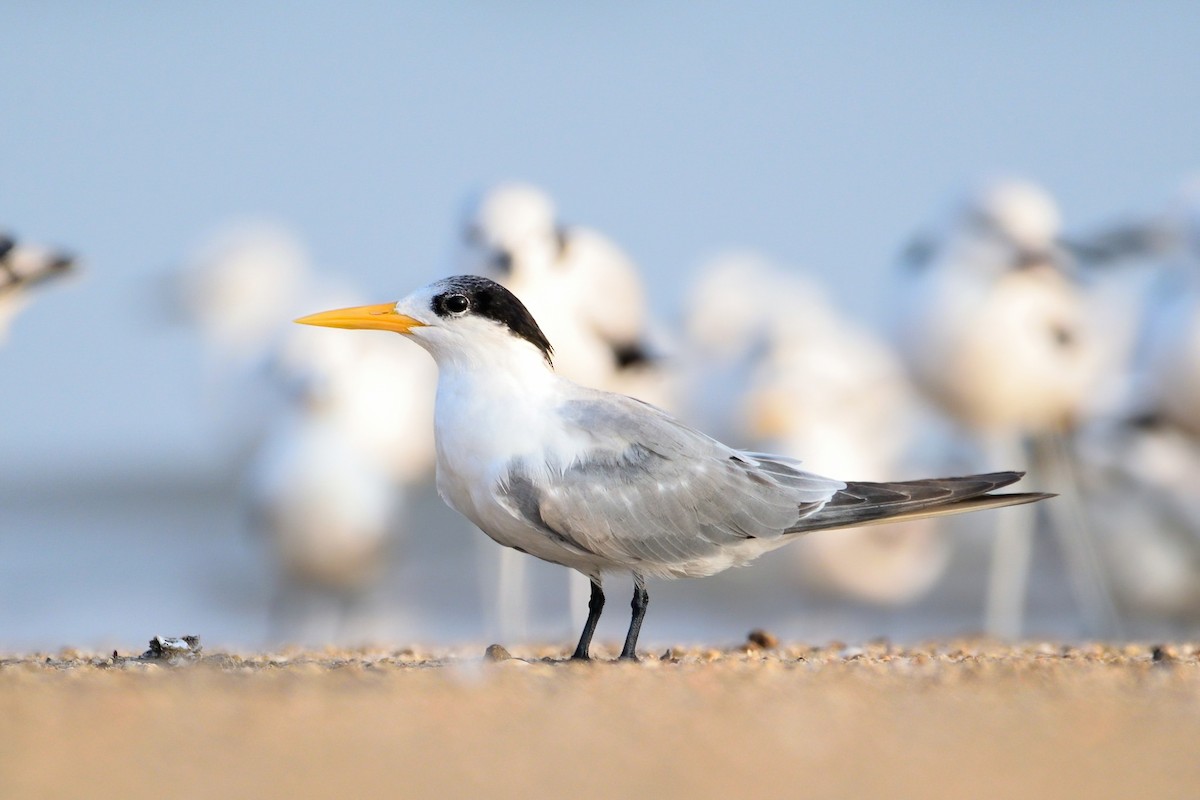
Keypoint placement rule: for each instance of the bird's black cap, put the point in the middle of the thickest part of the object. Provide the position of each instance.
(486, 298)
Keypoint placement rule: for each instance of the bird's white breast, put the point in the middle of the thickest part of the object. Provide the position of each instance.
(484, 420)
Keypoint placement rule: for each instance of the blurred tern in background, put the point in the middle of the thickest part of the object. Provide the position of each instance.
(809, 382)
(584, 291)
(730, 312)
(994, 329)
(324, 491)
(1143, 463)
(336, 470)
(1173, 339)
(238, 292)
(600, 482)
(22, 268)
(588, 297)
(328, 437)
(1140, 481)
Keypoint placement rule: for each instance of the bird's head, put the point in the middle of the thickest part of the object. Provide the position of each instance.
(1015, 210)
(511, 231)
(465, 320)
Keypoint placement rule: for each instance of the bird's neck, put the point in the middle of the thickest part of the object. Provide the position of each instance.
(487, 414)
(519, 376)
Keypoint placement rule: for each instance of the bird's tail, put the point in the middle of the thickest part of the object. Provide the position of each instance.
(873, 503)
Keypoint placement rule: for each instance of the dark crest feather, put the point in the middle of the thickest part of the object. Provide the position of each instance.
(491, 300)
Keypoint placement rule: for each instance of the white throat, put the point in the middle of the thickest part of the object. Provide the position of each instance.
(510, 392)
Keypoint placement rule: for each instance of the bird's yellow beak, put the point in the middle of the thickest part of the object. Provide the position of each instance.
(382, 317)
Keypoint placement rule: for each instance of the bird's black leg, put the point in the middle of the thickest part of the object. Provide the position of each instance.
(641, 599)
(595, 606)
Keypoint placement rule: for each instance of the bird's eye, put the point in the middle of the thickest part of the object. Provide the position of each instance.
(457, 304)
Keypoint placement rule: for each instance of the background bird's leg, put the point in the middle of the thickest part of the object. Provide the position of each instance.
(1012, 551)
(512, 593)
(1068, 519)
(595, 606)
(641, 599)
(281, 612)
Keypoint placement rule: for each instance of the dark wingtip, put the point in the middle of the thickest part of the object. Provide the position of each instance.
(1019, 498)
(997, 479)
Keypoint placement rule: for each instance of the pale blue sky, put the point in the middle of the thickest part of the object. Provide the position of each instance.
(821, 135)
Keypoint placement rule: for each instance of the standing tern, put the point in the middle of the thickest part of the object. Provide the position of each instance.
(328, 438)
(1143, 459)
(329, 511)
(599, 482)
(585, 291)
(588, 297)
(994, 327)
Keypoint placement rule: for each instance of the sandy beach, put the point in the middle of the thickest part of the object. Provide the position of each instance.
(951, 719)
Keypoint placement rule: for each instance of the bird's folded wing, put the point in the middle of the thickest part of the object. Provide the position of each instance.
(653, 491)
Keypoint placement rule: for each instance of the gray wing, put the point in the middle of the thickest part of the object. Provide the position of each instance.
(655, 493)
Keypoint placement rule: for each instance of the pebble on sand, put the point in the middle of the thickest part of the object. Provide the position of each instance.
(496, 652)
(758, 639)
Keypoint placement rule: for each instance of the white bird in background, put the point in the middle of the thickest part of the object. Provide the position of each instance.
(602, 483)
(242, 293)
(996, 331)
(589, 298)
(330, 438)
(336, 470)
(585, 290)
(1143, 463)
(812, 383)
(991, 324)
(1140, 484)
(727, 327)
(22, 268)
(326, 496)
(239, 292)
(1173, 337)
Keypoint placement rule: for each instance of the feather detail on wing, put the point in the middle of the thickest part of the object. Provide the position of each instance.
(651, 491)
(871, 503)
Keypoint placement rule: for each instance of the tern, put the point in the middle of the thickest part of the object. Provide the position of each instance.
(588, 297)
(585, 291)
(329, 435)
(995, 328)
(1143, 458)
(602, 483)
